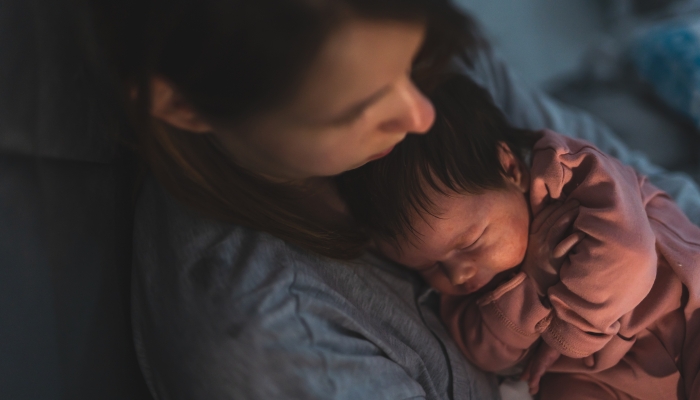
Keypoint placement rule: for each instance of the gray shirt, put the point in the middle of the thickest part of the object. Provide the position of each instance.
(224, 312)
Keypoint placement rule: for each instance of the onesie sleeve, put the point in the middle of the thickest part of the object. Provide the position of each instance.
(613, 267)
(495, 330)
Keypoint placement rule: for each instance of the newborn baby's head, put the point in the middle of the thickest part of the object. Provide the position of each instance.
(450, 204)
(465, 239)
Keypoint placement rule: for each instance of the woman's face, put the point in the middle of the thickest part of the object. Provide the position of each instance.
(356, 103)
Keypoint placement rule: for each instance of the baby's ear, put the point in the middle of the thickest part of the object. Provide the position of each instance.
(515, 170)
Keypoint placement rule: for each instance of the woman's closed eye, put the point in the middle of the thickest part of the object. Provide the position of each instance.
(356, 111)
(349, 118)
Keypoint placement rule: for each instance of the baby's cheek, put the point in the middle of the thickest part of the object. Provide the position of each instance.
(518, 246)
(523, 240)
(440, 282)
(436, 279)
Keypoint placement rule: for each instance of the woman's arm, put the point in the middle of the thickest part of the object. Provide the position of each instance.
(278, 353)
(531, 108)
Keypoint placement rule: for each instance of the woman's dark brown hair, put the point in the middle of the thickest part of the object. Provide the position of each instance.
(232, 59)
(459, 153)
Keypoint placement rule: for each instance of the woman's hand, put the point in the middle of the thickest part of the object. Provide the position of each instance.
(544, 357)
(547, 245)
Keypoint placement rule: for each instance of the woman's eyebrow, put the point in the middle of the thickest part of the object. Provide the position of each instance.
(357, 108)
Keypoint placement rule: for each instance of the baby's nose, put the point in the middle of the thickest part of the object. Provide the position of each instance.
(461, 275)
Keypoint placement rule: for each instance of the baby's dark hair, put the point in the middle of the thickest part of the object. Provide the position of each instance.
(459, 153)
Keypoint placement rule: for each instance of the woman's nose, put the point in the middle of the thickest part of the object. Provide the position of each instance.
(415, 113)
(461, 274)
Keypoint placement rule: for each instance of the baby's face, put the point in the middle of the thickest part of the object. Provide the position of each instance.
(475, 238)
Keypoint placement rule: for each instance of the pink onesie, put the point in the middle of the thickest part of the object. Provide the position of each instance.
(624, 312)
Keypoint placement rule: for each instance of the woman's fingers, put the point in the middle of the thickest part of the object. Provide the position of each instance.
(533, 386)
(525, 376)
(567, 244)
(537, 369)
(543, 359)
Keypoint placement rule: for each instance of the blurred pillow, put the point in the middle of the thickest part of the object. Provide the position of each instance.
(667, 56)
(620, 9)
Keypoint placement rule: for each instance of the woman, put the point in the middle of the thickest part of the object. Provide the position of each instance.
(249, 279)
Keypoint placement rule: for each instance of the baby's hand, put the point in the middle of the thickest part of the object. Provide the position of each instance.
(547, 246)
(544, 357)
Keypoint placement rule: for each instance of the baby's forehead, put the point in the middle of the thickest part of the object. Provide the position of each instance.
(405, 251)
(440, 205)
(435, 219)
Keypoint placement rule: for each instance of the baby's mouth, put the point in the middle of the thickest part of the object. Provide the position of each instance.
(471, 287)
(486, 286)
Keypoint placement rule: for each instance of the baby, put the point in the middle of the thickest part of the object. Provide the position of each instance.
(545, 251)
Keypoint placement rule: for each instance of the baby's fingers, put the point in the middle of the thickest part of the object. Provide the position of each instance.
(544, 215)
(567, 244)
(552, 214)
(557, 225)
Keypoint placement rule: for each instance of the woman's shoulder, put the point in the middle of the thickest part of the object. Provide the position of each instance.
(181, 256)
(174, 244)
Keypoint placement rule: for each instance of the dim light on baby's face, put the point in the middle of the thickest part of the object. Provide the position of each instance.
(472, 238)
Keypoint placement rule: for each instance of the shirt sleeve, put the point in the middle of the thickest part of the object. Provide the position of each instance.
(613, 268)
(531, 108)
(496, 330)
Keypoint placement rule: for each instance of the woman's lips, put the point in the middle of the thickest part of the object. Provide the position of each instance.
(382, 154)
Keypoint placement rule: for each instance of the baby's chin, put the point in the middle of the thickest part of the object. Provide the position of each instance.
(464, 289)
(479, 287)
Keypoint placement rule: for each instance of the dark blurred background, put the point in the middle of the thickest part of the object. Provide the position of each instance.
(65, 213)
(632, 63)
(67, 185)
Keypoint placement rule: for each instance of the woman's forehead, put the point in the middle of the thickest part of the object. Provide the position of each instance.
(357, 61)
